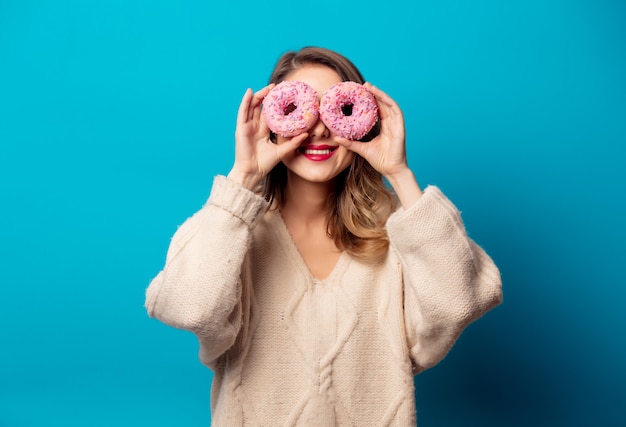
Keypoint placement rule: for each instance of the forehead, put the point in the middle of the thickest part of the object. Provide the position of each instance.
(319, 77)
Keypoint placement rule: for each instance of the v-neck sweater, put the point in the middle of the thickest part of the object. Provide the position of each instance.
(289, 349)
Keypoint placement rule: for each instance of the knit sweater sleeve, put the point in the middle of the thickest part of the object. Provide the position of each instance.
(200, 287)
(449, 281)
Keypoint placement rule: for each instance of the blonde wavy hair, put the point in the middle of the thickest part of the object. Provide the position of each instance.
(361, 202)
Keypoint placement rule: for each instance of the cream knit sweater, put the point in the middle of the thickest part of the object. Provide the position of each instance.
(290, 350)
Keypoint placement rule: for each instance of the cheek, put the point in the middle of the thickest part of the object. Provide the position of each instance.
(346, 156)
(345, 152)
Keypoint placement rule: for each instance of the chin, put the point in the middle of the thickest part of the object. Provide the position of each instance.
(316, 178)
(308, 173)
(319, 172)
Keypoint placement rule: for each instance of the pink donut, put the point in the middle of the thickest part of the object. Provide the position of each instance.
(290, 108)
(349, 110)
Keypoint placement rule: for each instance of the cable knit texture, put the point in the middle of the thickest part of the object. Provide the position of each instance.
(288, 349)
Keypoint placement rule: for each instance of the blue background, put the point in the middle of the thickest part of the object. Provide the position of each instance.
(115, 115)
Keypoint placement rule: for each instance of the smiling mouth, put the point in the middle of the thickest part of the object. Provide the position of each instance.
(318, 151)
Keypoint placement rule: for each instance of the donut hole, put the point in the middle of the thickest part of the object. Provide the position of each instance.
(346, 109)
(289, 109)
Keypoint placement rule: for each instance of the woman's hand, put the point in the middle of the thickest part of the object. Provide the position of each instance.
(255, 154)
(387, 152)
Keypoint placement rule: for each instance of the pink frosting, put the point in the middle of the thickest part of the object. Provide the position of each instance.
(364, 110)
(290, 108)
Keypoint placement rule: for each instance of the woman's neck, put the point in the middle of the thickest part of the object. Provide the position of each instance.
(305, 212)
(308, 201)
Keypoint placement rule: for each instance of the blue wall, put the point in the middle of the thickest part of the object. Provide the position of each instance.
(115, 115)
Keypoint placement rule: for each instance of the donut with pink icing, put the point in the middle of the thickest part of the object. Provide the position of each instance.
(290, 108)
(349, 110)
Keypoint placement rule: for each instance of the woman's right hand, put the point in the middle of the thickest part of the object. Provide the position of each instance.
(255, 154)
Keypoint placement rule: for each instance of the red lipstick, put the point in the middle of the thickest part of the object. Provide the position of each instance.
(317, 153)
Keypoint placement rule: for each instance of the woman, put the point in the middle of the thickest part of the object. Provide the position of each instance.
(313, 301)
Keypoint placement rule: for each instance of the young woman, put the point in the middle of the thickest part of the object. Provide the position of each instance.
(316, 293)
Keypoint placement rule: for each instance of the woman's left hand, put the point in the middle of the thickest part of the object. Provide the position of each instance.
(386, 152)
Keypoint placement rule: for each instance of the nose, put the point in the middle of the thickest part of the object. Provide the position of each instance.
(319, 130)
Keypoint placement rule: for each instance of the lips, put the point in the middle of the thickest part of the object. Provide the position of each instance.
(317, 153)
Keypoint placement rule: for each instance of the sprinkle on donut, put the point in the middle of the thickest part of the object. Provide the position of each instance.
(290, 108)
(349, 110)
